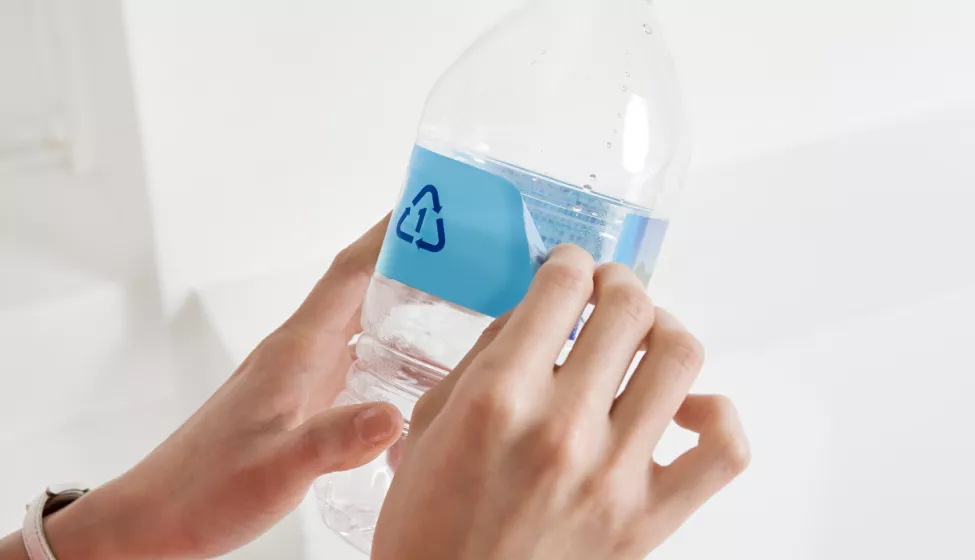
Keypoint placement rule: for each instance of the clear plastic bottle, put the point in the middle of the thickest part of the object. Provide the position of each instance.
(563, 124)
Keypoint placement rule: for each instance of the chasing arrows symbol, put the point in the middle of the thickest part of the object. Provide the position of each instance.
(422, 244)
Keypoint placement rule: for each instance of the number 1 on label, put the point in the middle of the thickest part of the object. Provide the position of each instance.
(419, 222)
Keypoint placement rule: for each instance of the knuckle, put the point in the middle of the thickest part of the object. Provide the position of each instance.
(612, 500)
(559, 449)
(346, 258)
(492, 361)
(631, 301)
(723, 409)
(490, 409)
(734, 452)
(609, 270)
(686, 351)
(570, 268)
(566, 277)
(427, 408)
(319, 448)
(492, 331)
(287, 348)
(425, 402)
(631, 542)
(574, 254)
(349, 261)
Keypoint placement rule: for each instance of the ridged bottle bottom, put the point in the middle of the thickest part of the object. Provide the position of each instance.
(349, 502)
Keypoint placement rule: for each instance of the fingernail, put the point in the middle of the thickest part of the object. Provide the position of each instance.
(375, 424)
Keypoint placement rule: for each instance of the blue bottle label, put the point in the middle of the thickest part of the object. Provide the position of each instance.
(476, 236)
(461, 234)
(639, 244)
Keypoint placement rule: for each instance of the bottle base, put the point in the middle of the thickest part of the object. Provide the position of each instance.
(353, 515)
(344, 525)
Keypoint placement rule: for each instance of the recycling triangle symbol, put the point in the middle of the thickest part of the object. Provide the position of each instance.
(416, 238)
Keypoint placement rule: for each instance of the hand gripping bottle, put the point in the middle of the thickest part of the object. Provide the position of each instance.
(562, 125)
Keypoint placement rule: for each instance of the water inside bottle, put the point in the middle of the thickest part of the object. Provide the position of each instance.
(609, 229)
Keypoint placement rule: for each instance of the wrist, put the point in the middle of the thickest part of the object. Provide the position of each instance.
(12, 547)
(98, 525)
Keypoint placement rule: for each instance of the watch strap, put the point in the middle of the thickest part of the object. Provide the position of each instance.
(51, 501)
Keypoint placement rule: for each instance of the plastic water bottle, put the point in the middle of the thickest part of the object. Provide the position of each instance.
(561, 125)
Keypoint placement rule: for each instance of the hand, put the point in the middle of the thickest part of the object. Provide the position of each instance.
(249, 455)
(513, 458)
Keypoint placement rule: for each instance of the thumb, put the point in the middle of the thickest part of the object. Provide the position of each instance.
(345, 437)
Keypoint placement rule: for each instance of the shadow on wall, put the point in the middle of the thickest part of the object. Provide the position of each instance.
(202, 360)
(71, 174)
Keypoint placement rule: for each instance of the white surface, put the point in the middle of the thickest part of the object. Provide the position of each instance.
(32, 277)
(77, 364)
(761, 75)
(33, 112)
(819, 234)
(72, 181)
(45, 304)
(70, 381)
(860, 443)
(273, 132)
(244, 311)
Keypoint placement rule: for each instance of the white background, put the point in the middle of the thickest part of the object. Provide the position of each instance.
(174, 175)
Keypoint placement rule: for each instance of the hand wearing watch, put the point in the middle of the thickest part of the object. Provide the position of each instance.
(53, 500)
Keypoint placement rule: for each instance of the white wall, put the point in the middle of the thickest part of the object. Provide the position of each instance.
(76, 254)
(760, 75)
(263, 121)
(71, 176)
(275, 130)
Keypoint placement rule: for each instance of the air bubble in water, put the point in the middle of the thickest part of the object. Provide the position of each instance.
(647, 29)
(592, 177)
(619, 115)
(625, 88)
(609, 144)
(587, 188)
(577, 208)
(627, 74)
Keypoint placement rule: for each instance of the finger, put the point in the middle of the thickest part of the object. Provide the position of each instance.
(334, 302)
(433, 401)
(722, 453)
(396, 452)
(328, 382)
(345, 437)
(658, 386)
(354, 324)
(610, 339)
(541, 324)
